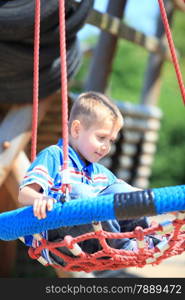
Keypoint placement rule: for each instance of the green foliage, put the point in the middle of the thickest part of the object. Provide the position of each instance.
(178, 32)
(168, 168)
(128, 70)
(169, 165)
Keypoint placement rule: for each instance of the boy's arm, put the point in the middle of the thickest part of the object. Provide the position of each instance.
(30, 195)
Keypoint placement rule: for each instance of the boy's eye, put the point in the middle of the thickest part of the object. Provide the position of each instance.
(101, 138)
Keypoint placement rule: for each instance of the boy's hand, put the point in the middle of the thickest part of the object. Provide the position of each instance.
(41, 205)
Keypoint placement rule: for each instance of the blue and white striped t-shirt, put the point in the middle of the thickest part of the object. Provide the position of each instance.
(85, 180)
(46, 171)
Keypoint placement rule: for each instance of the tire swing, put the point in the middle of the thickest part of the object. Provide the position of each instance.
(151, 202)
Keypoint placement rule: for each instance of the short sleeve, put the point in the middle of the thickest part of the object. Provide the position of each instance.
(44, 169)
(115, 184)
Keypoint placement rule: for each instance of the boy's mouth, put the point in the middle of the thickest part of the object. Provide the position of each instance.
(100, 155)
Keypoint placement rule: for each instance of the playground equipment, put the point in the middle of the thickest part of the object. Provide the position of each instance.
(152, 125)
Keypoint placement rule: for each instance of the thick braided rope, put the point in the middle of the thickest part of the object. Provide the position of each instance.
(172, 48)
(63, 83)
(84, 211)
(35, 81)
(22, 222)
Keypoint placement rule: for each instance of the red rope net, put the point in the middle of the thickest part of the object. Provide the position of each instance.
(172, 243)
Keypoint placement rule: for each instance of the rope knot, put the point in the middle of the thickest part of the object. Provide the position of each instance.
(31, 252)
(68, 241)
(73, 247)
(139, 233)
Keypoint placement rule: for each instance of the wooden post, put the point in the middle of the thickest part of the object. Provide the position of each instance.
(104, 53)
(7, 249)
(152, 81)
(15, 133)
(179, 4)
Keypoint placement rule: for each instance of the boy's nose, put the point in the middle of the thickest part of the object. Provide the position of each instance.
(105, 147)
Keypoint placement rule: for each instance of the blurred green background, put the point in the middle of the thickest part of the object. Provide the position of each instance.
(125, 84)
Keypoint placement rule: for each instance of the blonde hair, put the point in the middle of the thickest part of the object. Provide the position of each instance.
(92, 107)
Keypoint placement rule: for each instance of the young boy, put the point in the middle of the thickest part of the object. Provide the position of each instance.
(94, 124)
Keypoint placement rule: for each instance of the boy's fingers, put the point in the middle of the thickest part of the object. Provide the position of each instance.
(43, 206)
(35, 206)
(50, 203)
(39, 208)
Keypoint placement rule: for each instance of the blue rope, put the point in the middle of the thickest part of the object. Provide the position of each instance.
(21, 222)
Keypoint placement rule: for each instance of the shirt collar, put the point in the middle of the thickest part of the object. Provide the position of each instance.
(75, 157)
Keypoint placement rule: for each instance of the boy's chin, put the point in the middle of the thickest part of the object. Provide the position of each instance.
(93, 160)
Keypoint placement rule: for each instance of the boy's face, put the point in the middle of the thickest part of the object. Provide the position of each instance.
(95, 142)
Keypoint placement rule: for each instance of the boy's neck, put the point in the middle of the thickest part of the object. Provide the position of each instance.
(72, 145)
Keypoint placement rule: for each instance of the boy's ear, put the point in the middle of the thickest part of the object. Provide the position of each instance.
(75, 128)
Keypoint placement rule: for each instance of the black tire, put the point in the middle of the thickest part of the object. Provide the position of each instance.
(51, 37)
(74, 58)
(12, 54)
(17, 18)
(18, 88)
(16, 47)
(75, 22)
